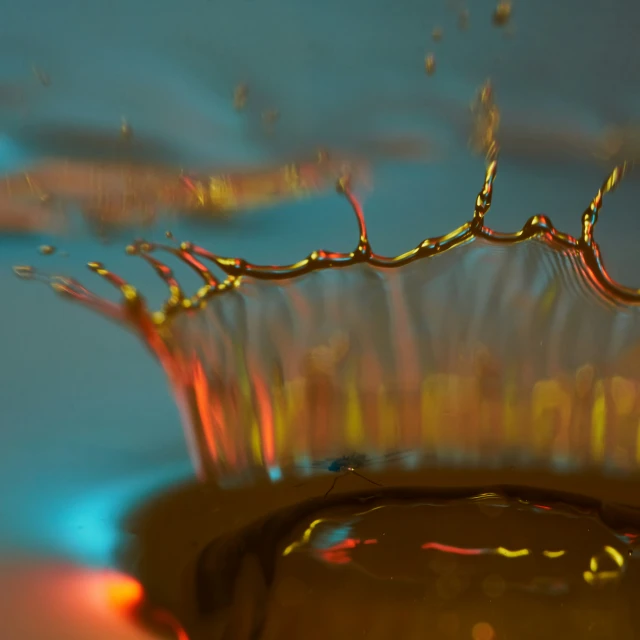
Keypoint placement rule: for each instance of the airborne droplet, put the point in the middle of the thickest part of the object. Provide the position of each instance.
(502, 13)
(430, 64)
(24, 272)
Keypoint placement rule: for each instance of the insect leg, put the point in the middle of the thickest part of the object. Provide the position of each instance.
(333, 484)
(365, 478)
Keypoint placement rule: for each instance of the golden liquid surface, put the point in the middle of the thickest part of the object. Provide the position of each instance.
(436, 562)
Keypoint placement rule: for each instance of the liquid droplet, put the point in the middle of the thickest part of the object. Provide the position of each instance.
(240, 95)
(430, 64)
(502, 14)
(126, 132)
(24, 272)
(463, 20)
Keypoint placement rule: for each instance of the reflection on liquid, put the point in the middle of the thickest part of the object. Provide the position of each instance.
(113, 196)
(399, 562)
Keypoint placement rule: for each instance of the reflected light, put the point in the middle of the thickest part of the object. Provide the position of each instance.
(123, 592)
(90, 530)
(73, 603)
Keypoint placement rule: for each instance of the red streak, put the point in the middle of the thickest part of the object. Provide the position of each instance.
(265, 414)
(448, 549)
(205, 409)
(339, 553)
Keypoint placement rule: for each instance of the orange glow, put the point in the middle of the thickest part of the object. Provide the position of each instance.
(483, 631)
(265, 411)
(123, 592)
(166, 619)
(201, 388)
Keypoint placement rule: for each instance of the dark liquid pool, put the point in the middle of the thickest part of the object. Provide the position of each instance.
(477, 563)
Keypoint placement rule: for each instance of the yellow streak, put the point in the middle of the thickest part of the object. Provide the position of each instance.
(517, 553)
(594, 579)
(615, 555)
(548, 396)
(305, 537)
(598, 422)
(256, 442)
(354, 422)
(385, 416)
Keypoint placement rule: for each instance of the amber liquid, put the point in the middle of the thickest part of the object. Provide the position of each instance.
(437, 563)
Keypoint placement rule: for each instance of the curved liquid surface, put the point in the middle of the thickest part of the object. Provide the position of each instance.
(531, 361)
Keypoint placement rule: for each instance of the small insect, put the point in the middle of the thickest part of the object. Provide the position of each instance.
(351, 464)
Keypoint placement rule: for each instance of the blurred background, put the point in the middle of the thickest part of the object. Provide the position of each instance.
(88, 427)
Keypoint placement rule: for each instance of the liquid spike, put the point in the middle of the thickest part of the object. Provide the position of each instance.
(590, 216)
(236, 268)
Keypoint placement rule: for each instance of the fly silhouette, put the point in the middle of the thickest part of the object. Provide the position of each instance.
(351, 464)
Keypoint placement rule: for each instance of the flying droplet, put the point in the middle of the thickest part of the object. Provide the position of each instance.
(47, 249)
(24, 272)
(463, 20)
(240, 95)
(502, 13)
(430, 64)
(126, 132)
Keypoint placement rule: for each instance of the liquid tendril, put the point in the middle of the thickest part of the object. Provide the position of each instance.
(546, 383)
(236, 268)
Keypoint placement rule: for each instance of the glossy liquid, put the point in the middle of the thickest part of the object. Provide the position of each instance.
(476, 348)
(416, 563)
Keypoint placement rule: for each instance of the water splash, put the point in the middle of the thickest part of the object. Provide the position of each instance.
(532, 360)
